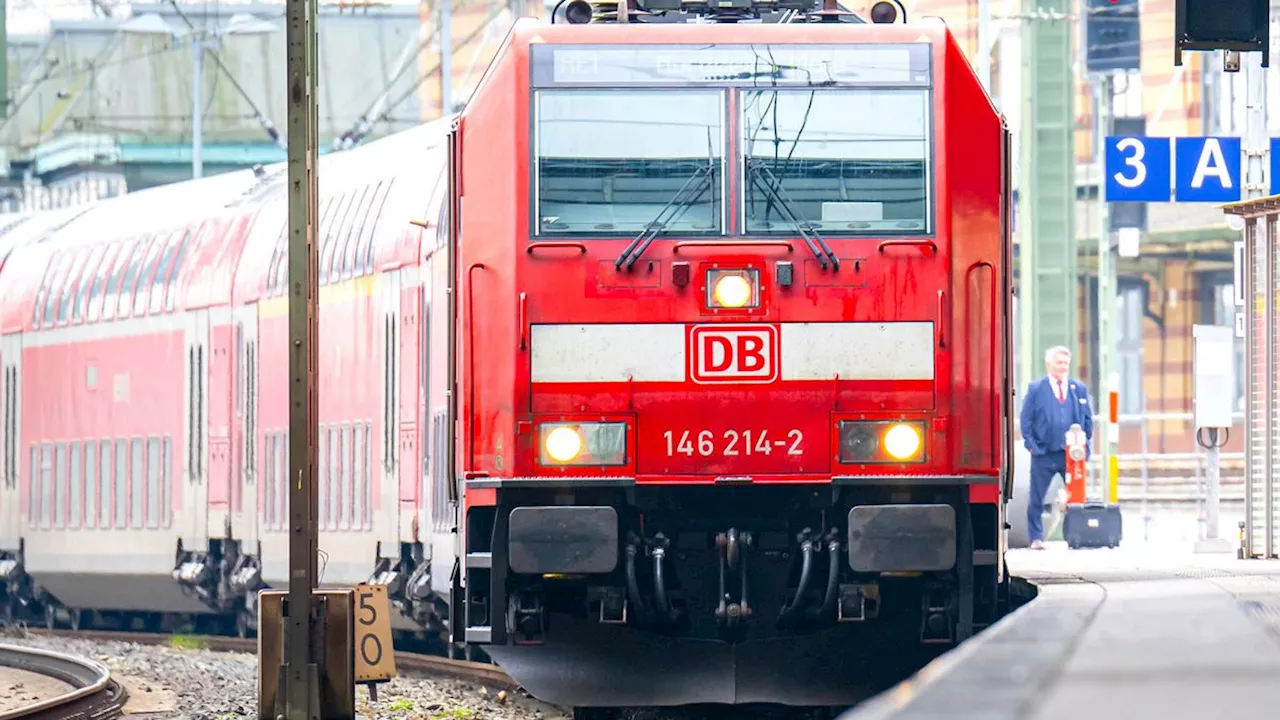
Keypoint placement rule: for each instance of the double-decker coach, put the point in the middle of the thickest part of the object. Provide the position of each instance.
(732, 351)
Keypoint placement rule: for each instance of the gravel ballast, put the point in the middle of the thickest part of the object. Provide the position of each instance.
(176, 683)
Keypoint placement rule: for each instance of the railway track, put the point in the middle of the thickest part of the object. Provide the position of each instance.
(93, 694)
(406, 662)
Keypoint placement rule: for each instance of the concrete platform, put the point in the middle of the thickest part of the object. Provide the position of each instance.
(1138, 632)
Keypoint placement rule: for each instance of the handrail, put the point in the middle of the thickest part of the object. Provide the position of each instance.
(884, 244)
(471, 359)
(549, 244)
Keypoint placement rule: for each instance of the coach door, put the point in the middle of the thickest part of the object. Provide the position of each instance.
(10, 478)
(194, 527)
(388, 527)
(246, 512)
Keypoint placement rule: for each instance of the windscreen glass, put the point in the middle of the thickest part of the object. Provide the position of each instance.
(841, 161)
(610, 162)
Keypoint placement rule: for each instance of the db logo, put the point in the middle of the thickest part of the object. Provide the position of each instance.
(733, 353)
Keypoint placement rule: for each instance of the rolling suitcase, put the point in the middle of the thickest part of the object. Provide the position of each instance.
(1092, 525)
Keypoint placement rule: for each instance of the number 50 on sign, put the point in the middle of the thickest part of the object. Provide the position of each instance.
(375, 658)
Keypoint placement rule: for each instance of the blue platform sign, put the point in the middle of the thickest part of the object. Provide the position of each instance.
(1208, 169)
(1189, 169)
(1275, 166)
(1138, 169)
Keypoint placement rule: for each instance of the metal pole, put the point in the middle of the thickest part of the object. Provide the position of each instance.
(984, 43)
(446, 57)
(302, 681)
(1108, 432)
(1256, 170)
(1146, 472)
(197, 112)
(1213, 477)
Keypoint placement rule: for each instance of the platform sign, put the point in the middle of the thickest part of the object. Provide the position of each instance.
(1188, 169)
(375, 658)
(1207, 169)
(1213, 363)
(1138, 169)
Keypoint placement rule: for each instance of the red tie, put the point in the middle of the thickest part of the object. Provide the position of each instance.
(1062, 397)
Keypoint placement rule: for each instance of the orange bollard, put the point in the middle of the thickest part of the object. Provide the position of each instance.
(1076, 472)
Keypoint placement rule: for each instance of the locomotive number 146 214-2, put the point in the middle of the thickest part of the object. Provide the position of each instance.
(707, 443)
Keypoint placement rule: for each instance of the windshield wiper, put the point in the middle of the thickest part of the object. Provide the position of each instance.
(641, 242)
(764, 179)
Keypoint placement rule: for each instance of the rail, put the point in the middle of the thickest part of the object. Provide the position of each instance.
(94, 694)
(476, 672)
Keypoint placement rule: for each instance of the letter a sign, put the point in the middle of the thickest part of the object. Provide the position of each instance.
(1207, 169)
(733, 353)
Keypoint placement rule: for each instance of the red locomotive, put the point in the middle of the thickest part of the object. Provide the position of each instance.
(676, 369)
(734, 351)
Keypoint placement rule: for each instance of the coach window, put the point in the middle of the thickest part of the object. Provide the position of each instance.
(90, 483)
(75, 509)
(369, 224)
(148, 271)
(324, 233)
(174, 272)
(166, 481)
(105, 486)
(47, 489)
(55, 289)
(359, 479)
(60, 493)
(154, 473)
(130, 279)
(282, 268)
(161, 278)
(122, 484)
(838, 166)
(33, 487)
(330, 260)
(344, 519)
(612, 162)
(69, 284)
(43, 291)
(100, 281)
(136, 489)
(112, 297)
(282, 470)
(350, 236)
(87, 276)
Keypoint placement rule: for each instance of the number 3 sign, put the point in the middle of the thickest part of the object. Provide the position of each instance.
(375, 658)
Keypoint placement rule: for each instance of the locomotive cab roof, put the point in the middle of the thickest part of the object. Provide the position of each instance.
(582, 12)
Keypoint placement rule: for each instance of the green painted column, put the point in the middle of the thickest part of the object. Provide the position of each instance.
(1047, 186)
(4, 59)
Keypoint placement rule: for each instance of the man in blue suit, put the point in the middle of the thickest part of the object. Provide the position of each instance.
(1052, 404)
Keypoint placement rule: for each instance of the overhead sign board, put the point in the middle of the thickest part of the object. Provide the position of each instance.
(1186, 169)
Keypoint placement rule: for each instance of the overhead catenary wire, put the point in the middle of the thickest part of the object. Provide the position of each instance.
(267, 125)
(379, 109)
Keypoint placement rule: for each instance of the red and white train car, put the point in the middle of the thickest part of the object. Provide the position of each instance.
(144, 348)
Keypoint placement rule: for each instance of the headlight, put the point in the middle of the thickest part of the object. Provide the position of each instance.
(585, 443)
(733, 288)
(881, 441)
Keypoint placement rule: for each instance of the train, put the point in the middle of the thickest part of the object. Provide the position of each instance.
(674, 368)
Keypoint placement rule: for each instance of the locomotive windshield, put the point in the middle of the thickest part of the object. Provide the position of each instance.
(609, 161)
(844, 160)
(830, 139)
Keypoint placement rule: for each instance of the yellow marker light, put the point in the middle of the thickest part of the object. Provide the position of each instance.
(902, 441)
(563, 444)
(732, 291)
